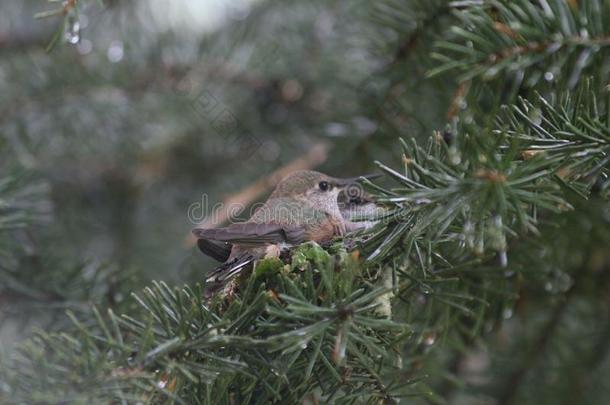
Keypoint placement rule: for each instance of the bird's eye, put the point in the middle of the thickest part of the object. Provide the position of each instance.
(324, 186)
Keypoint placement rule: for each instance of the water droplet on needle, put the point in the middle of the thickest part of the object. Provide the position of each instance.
(72, 31)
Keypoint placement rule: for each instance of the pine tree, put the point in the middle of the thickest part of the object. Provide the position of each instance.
(484, 281)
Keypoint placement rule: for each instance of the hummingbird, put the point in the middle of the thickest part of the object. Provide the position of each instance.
(354, 206)
(303, 207)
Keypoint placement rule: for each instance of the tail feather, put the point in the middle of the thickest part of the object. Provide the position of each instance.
(221, 275)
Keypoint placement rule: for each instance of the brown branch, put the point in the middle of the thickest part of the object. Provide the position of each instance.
(539, 47)
(456, 100)
(409, 44)
(516, 378)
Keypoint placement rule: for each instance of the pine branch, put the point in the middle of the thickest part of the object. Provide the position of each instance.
(569, 129)
(290, 328)
(575, 286)
(22, 201)
(552, 40)
(479, 190)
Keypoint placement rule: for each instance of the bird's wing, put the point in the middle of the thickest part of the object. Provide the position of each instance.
(218, 251)
(254, 234)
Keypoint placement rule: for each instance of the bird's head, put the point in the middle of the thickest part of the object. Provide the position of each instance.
(319, 189)
(312, 184)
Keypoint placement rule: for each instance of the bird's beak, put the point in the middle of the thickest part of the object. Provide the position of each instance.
(341, 183)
